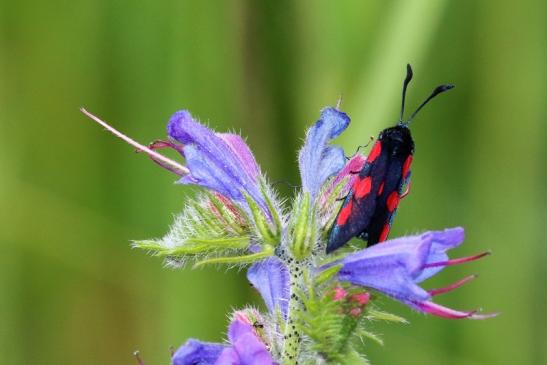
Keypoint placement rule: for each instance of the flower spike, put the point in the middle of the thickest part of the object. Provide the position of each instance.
(318, 306)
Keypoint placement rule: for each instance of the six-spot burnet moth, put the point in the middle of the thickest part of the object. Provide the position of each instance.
(368, 210)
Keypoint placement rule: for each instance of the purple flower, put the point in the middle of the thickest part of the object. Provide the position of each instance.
(220, 162)
(396, 267)
(271, 278)
(245, 348)
(317, 159)
(195, 352)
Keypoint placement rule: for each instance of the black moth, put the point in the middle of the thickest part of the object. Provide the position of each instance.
(368, 210)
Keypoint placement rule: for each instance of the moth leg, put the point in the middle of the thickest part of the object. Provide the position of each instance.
(359, 147)
(406, 191)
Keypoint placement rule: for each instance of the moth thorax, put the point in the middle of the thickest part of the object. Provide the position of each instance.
(397, 140)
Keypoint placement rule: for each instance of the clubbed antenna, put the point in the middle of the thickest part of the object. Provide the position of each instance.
(405, 85)
(439, 89)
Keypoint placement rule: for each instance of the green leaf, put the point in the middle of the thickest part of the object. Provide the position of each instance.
(261, 222)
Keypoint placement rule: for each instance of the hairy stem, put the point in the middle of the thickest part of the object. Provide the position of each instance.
(292, 335)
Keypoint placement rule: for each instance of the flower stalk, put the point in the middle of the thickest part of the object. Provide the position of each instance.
(292, 337)
(318, 304)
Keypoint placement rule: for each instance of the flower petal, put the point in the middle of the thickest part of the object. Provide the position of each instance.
(442, 241)
(317, 160)
(271, 278)
(243, 152)
(228, 356)
(246, 349)
(386, 274)
(221, 162)
(355, 164)
(396, 266)
(196, 352)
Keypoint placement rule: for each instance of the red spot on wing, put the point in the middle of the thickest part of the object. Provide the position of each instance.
(362, 187)
(406, 166)
(381, 189)
(375, 152)
(385, 232)
(392, 201)
(344, 214)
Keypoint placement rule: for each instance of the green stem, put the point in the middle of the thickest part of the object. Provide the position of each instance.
(292, 336)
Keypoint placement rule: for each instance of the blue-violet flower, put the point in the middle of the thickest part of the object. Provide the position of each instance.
(318, 305)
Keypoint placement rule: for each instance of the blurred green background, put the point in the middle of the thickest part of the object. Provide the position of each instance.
(72, 196)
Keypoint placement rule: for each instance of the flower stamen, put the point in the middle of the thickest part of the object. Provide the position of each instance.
(458, 261)
(167, 163)
(453, 286)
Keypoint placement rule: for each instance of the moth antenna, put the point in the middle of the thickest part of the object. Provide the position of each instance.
(439, 89)
(405, 85)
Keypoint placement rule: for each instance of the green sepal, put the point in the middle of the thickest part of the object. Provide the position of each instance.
(327, 274)
(193, 246)
(377, 315)
(206, 221)
(267, 251)
(149, 245)
(300, 245)
(362, 334)
(271, 207)
(261, 222)
(227, 215)
(353, 358)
